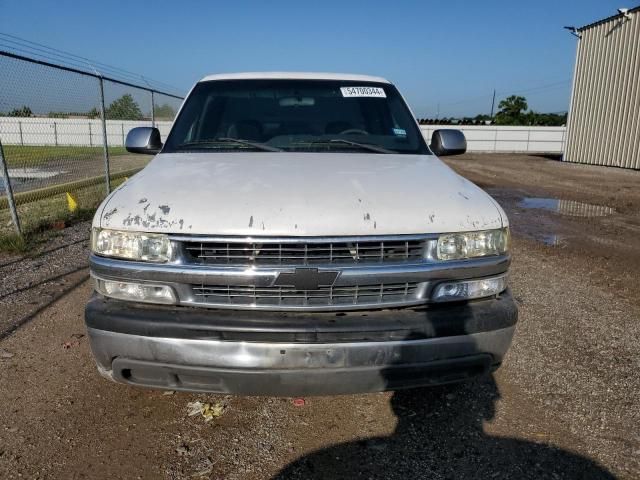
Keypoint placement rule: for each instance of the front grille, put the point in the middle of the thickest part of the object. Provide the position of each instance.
(250, 295)
(304, 252)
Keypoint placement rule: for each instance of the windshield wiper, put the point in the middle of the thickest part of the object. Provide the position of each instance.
(238, 141)
(369, 146)
(365, 146)
(266, 148)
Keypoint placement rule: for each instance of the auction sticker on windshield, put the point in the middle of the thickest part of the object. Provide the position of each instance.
(363, 92)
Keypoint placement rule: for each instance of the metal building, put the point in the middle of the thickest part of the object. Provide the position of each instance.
(604, 115)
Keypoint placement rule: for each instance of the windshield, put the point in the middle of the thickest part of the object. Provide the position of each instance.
(295, 115)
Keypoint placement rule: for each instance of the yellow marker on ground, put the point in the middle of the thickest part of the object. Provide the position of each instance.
(72, 202)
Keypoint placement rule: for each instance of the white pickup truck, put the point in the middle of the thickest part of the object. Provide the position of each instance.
(296, 235)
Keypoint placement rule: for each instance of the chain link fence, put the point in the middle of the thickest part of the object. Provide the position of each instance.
(62, 135)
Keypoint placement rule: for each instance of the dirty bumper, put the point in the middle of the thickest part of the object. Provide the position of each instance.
(332, 366)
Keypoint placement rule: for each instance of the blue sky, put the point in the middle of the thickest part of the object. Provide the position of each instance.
(451, 53)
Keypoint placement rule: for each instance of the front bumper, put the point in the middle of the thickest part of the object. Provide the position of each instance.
(271, 353)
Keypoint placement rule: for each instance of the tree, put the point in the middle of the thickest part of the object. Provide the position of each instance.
(23, 111)
(547, 119)
(164, 111)
(93, 113)
(482, 119)
(513, 105)
(512, 111)
(58, 115)
(124, 108)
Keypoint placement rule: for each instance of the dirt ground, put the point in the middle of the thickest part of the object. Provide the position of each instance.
(565, 403)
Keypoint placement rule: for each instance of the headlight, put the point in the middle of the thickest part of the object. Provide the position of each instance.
(146, 247)
(457, 246)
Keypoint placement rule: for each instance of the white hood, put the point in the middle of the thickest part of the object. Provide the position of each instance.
(298, 194)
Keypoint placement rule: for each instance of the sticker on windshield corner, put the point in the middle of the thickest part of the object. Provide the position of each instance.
(400, 132)
(376, 92)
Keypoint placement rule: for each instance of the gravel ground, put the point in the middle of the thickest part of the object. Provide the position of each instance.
(565, 404)
(32, 283)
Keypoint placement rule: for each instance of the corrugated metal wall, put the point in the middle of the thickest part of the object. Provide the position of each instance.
(604, 119)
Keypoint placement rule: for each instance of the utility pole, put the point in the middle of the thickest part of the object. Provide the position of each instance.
(493, 102)
(153, 111)
(438, 112)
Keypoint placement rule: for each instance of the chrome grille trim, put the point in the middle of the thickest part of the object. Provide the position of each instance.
(302, 251)
(371, 295)
(301, 239)
(181, 275)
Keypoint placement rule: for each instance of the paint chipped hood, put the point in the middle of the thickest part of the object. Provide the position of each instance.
(298, 194)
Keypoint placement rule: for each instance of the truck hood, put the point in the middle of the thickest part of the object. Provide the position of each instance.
(298, 194)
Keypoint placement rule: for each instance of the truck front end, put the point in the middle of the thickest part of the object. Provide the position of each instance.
(320, 249)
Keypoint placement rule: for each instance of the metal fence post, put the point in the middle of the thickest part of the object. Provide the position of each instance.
(55, 133)
(153, 111)
(20, 130)
(9, 190)
(90, 135)
(105, 145)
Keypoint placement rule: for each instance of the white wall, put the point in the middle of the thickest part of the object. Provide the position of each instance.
(496, 138)
(69, 131)
(85, 132)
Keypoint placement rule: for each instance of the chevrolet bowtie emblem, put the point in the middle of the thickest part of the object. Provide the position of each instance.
(306, 279)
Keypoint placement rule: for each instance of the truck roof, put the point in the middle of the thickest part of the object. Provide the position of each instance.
(294, 76)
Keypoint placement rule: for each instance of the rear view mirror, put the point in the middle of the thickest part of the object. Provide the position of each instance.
(448, 142)
(144, 140)
(297, 102)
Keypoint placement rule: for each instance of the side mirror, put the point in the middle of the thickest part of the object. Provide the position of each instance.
(448, 142)
(143, 140)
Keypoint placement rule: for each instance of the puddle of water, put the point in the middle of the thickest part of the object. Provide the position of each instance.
(554, 229)
(569, 208)
(542, 232)
(15, 183)
(35, 173)
(540, 203)
(552, 239)
(33, 177)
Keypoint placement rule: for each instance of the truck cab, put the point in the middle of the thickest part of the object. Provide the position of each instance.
(296, 235)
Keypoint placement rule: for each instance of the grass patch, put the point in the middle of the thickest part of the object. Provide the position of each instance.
(40, 232)
(34, 155)
(41, 219)
(13, 243)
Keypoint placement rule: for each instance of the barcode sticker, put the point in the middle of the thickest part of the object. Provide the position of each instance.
(376, 92)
